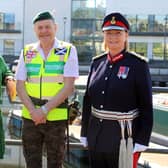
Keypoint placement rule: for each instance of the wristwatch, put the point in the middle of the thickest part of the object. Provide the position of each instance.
(44, 109)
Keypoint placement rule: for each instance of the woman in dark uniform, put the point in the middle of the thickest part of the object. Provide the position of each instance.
(117, 113)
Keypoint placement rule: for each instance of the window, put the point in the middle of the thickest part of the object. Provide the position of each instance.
(86, 33)
(151, 21)
(85, 50)
(148, 23)
(140, 48)
(133, 22)
(142, 23)
(81, 9)
(1, 21)
(9, 21)
(159, 23)
(9, 46)
(158, 51)
(82, 27)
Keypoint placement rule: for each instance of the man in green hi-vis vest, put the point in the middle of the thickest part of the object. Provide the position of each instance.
(6, 78)
(45, 78)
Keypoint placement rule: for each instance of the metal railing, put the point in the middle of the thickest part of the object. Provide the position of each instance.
(80, 146)
(160, 89)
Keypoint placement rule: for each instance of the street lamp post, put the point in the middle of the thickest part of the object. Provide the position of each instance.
(165, 34)
(64, 19)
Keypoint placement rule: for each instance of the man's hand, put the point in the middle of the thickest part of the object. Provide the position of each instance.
(11, 89)
(38, 116)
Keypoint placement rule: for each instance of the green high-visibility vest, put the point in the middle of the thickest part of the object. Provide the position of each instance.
(45, 78)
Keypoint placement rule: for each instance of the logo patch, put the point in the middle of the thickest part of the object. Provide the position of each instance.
(31, 54)
(123, 72)
(60, 51)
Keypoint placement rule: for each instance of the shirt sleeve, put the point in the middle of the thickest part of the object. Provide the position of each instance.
(144, 104)
(6, 72)
(21, 72)
(71, 68)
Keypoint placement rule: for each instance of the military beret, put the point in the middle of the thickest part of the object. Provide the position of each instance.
(43, 16)
(115, 21)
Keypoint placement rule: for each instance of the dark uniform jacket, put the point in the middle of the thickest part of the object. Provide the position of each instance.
(122, 85)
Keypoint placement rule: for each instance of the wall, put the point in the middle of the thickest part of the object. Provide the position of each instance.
(61, 10)
(15, 7)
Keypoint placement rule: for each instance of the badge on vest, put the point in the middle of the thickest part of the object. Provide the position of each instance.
(31, 54)
(123, 72)
(60, 51)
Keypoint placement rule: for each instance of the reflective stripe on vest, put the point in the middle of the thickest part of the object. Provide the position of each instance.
(45, 78)
(58, 79)
(54, 115)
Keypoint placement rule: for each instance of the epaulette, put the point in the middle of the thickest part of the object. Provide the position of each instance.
(98, 56)
(139, 56)
(64, 43)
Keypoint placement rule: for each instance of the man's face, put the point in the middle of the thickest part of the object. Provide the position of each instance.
(45, 30)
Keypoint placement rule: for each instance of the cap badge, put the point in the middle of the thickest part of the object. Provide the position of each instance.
(113, 21)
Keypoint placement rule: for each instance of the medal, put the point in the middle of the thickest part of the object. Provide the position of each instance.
(123, 72)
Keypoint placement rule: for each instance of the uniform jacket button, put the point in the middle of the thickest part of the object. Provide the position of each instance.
(101, 120)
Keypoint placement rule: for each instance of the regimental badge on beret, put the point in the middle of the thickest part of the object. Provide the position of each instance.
(113, 21)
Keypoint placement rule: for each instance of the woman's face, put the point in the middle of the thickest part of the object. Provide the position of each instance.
(115, 40)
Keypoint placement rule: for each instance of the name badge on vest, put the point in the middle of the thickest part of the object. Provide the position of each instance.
(60, 51)
(123, 72)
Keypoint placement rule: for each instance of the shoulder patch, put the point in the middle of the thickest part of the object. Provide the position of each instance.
(139, 56)
(99, 56)
(31, 46)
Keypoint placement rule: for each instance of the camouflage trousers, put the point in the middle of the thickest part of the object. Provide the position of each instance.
(51, 135)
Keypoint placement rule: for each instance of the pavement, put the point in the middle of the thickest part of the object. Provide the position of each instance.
(154, 160)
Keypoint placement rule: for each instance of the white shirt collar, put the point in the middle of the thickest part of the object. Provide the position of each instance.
(40, 50)
(56, 45)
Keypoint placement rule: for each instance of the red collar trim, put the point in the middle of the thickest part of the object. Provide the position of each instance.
(115, 58)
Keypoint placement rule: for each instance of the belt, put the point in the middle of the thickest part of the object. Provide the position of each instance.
(115, 115)
(40, 102)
